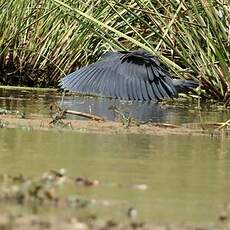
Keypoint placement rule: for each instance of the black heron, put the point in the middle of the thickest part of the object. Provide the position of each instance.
(127, 75)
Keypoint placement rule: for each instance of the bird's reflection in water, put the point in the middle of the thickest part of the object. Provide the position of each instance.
(113, 109)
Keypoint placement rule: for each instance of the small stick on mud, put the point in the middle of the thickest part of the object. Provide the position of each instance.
(166, 125)
(86, 115)
(58, 114)
(226, 123)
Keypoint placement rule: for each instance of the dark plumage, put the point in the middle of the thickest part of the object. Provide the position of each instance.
(135, 75)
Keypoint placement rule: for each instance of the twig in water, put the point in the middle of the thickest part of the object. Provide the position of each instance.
(86, 115)
(224, 125)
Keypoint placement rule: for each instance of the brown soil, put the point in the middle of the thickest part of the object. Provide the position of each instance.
(89, 126)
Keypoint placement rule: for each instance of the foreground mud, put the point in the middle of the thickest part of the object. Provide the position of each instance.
(39, 203)
(34, 222)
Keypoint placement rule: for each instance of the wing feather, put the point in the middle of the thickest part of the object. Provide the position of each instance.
(138, 88)
(117, 86)
(156, 90)
(144, 90)
(162, 90)
(84, 78)
(125, 75)
(135, 95)
(122, 86)
(136, 83)
(150, 92)
(71, 80)
(155, 71)
(105, 83)
(99, 81)
(92, 85)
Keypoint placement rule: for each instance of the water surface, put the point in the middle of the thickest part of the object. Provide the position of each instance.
(187, 177)
(37, 102)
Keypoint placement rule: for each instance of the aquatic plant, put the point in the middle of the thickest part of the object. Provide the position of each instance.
(39, 41)
(191, 38)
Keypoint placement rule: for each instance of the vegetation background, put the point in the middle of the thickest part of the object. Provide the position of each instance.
(40, 41)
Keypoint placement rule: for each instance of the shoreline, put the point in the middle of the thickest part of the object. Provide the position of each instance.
(35, 122)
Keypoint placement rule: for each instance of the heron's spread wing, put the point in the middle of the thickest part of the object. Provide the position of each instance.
(124, 75)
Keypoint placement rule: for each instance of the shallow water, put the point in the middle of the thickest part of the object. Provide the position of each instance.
(37, 102)
(187, 177)
(28, 101)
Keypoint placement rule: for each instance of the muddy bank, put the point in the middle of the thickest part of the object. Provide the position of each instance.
(35, 122)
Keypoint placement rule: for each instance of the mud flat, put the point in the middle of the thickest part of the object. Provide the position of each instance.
(35, 122)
